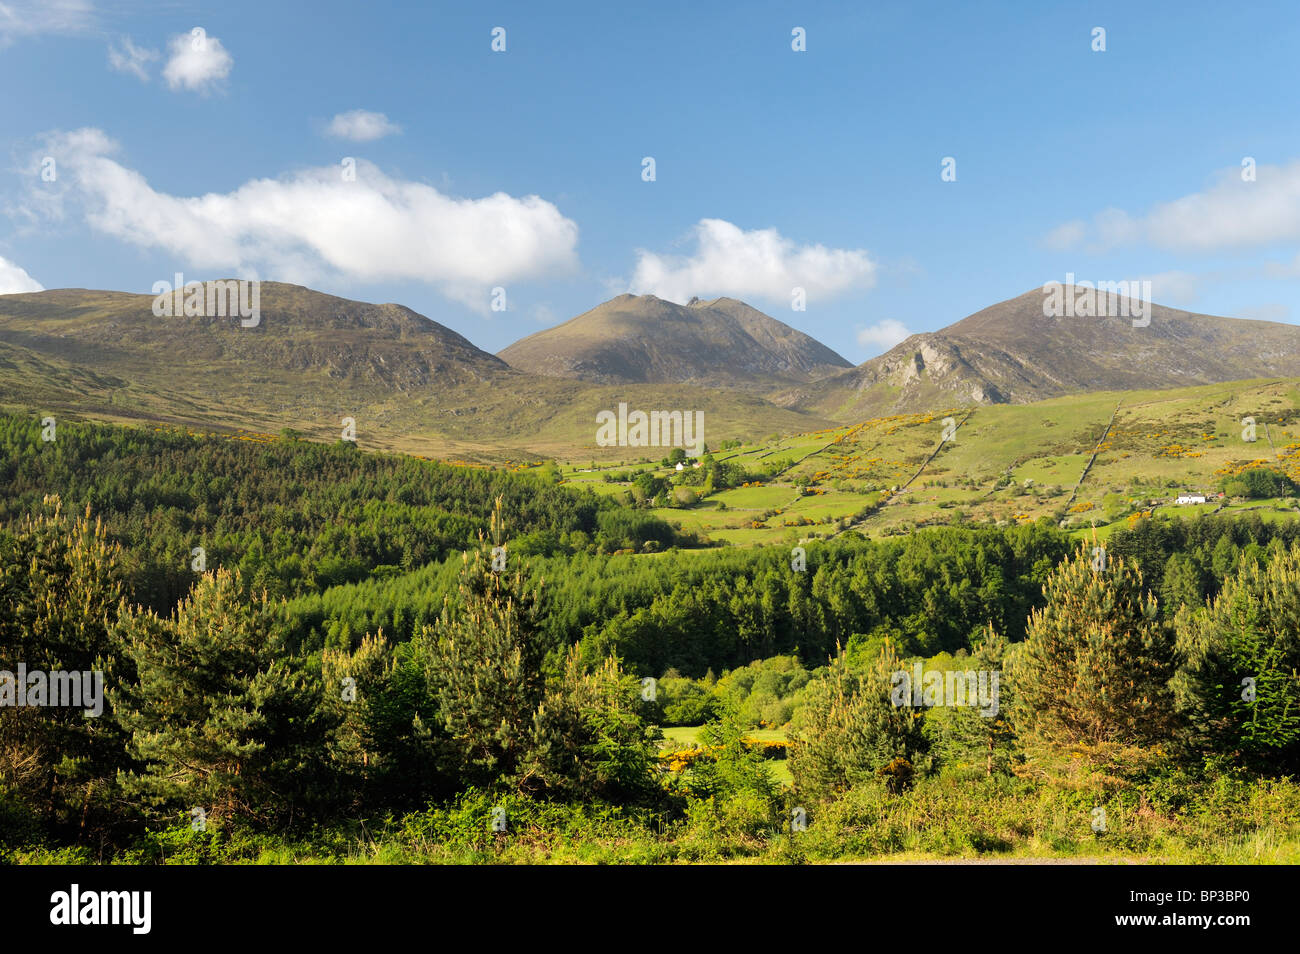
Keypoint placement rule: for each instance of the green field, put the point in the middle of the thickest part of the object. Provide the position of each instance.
(1005, 464)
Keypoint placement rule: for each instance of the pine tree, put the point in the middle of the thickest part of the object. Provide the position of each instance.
(1240, 683)
(61, 582)
(1097, 662)
(849, 729)
(732, 774)
(485, 657)
(590, 739)
(966, 734)
(389, 749)
(1182, 584)
(221, 718)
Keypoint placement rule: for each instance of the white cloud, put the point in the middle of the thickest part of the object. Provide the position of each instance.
(313, 224)
(1174, 288)
(197, 62)
(360, 125)
(883, 335)
(1066, 236)
(1229, 214)
(14, 280)
(756, 264)
(1114, 227)
(1289, 269)
(23, 18)
(126, 57)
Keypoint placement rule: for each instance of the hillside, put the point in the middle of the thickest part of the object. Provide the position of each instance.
(410, 383)
(644, 339)
(1006, 465)
(300, 331)
(1010, 353)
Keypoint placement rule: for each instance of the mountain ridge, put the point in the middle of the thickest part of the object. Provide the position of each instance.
(414, 384)
(409, 350)
(646, 339)
(410, 383)
(1011, 352)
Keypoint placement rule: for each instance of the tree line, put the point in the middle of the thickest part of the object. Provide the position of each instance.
(293, 517)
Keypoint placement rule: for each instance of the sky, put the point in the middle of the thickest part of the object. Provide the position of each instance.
(904, 164)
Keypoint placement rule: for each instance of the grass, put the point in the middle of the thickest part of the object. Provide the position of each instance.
(688, 735)
(1012, 464)
(943, 818)
(682, 735)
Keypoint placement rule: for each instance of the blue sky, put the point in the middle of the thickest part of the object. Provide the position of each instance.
(523, 169)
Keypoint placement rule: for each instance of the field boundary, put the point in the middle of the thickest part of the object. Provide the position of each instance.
(1095, 451)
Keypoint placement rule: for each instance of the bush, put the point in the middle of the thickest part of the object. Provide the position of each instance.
(685, 701)
(849, 730)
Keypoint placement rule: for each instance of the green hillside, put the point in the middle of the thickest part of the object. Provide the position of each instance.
(1005, 464)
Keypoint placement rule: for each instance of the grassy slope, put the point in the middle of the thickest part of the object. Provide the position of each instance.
(1161, 443)
(410, 384)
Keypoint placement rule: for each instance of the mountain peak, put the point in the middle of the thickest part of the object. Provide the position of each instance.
(1017, 352)
(646, 339)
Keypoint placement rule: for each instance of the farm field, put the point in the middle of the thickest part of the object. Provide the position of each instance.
(1086, 462)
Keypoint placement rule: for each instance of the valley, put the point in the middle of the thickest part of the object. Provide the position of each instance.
(859, 449)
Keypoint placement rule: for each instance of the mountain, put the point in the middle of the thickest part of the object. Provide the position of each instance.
(312, 359)
(644, 339)
(299, 330)
(414, 385)
(1010, 353)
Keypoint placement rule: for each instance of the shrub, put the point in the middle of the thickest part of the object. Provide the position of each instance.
(849, 730)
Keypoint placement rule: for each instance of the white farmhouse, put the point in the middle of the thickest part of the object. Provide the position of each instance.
(1190, 499)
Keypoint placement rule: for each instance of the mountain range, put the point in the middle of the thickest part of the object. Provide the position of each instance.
(413, 384)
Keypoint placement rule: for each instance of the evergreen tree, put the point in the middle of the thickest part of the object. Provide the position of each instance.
(61, 581)
(1182, 584)
(965, 734)
(1097, 662)
(390, 748)
(849, 729)
(1224, 557)
(732, 767)
(485, 657)
(222, 718)
(1240, 684)
(590, 739)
